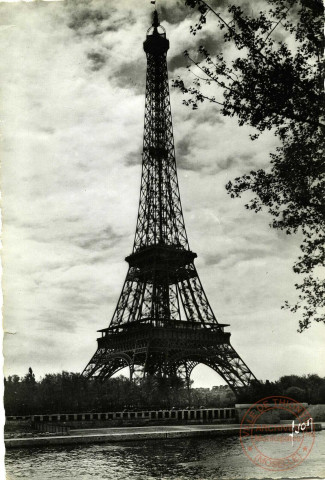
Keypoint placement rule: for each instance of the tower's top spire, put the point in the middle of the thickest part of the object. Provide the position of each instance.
(156, 42)
(155, 20)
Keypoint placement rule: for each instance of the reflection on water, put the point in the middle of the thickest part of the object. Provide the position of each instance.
(174, 459)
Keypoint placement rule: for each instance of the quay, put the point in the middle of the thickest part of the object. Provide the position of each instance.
(124, 434)
(137, 416)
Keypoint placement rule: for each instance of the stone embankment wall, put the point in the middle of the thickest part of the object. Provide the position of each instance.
(275, 414)
(161, 417)
(121, 419)
(317, 412)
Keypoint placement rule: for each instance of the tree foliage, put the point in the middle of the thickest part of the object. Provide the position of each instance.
(69, 392)
(306, 388)
(275, 82)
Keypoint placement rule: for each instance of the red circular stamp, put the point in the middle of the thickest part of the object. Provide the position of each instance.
(272, 445)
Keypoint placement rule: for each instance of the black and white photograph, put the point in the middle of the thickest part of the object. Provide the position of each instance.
(163, 239)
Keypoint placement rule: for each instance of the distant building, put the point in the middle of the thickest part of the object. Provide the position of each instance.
(202, 390)
(218, 388)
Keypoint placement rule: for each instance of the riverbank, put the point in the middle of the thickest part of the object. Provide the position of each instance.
(115, 435)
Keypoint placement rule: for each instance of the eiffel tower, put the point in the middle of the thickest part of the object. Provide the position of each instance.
(163, 323)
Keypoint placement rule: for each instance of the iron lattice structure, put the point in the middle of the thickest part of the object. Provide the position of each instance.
(163, 323)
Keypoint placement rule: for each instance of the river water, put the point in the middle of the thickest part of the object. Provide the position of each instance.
(174, 459)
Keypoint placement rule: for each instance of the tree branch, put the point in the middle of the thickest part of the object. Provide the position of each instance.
(277, 24)
(233, 32)
(212, 77)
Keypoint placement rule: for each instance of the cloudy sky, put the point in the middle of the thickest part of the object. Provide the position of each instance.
(72, 89)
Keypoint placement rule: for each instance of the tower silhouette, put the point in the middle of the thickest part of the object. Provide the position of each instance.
(163, 323)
